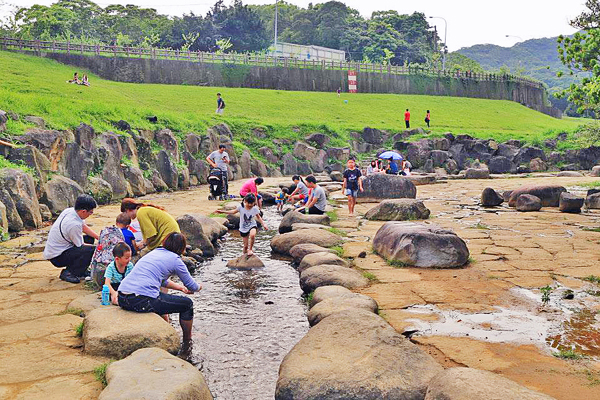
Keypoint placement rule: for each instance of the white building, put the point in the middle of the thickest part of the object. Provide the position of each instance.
(309, 53)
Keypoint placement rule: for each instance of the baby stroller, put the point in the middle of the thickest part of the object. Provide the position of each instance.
(215, 182)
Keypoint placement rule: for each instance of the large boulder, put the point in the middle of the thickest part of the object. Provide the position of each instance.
(111, 168)
(326, 292)
(20, 188)
(538, 165)
(289, 165)
(33, 158)
(318, 161)
(595, 171)
(548, 194)
(283, 243)
(499, 165)
(245, 164)
(477, 173)
(13, 219)
(295, 217)
(470, 384)
(154, 374)
(60, 193)
(245, 262)
(51, 143)
(136, 179)
(373, 136)
(318, 139)
(314, 259)
(268, 154)
(258, 168)
(439, 157)
(569, 203)
(592, 201)
(490, 198)
(79, 163)
(99, 189)
(379, 187)
(303, 151)
(420, 245)
(84, 136)
(299, 251)
(333, 305)
(326, 275)
(193, 230)
(526, 154)
(168, 142)
(528, 202)
(211, 228)
(115, 333)
(398, 210)
(3, 219)
(355, 354)
(167, 170)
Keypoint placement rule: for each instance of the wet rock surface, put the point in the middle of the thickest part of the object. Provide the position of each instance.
(355, 355)
(154, 374)
(398, 210)
(419, 245)
(469, 383)
(246, 262)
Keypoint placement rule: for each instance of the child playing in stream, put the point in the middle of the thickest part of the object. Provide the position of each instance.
(249, 215)
(281, 199)
(118, 270)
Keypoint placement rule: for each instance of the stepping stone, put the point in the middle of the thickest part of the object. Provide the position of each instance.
(246, 262)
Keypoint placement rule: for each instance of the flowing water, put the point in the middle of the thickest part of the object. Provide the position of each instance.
(245, 322)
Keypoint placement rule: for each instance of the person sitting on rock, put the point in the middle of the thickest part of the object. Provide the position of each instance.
(281, 199)
(405, 168)
(75, 79)
(251, 186)
(118, 269)
(155, 223)
(301, 191)
(65, 246)
(249, 215)
(140, 290)
(393, 168)
(373, 168)
(317, 202)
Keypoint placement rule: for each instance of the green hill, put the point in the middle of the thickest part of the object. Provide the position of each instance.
(36, 86)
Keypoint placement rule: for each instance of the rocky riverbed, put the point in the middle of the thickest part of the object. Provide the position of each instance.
(512, 254)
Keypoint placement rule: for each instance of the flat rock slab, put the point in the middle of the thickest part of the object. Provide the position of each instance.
(299, 251)
(314, 259)
(295, 217)
(246, 262)
(420, 245)
(332, 305)
(548, 194)
(116, 333)
(86, 303)
(398, 210)
(325, 275)
(39, 328)
(379, 187)
(469, 384)
(282, 244)
(154, 374)
(355, 354)
(326, 292)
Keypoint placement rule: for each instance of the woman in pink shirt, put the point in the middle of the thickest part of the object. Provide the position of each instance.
(251, 186)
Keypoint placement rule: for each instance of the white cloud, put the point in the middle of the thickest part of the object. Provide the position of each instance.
(469, 21)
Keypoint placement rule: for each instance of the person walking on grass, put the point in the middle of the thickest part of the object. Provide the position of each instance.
(65, 246)
(428, 118)
(352, 184)
(249, 215)
(140, 291)
(220, 159)
(407, 119)
(220, 104)
(317, 202)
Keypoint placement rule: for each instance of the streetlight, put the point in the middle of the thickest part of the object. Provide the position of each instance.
(445, 41)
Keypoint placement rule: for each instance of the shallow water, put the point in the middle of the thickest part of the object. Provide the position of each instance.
(245, 322)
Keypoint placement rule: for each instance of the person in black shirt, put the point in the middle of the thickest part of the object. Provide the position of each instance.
(220, 104)
(352, 184)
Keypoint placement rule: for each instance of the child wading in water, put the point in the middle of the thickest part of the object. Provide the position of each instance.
(118, 269)
(249, 214)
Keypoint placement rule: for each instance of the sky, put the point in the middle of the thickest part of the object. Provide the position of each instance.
(470, 22)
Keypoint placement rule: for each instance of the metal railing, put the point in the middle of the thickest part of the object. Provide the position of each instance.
(250, 59)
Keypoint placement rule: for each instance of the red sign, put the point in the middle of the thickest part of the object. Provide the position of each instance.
(352, 82)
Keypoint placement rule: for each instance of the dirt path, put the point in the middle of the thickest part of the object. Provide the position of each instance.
(510, 250)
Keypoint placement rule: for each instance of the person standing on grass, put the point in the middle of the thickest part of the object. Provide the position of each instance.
(140, 291)
(220, 104)
(407, 118)
(65, 246)
(317, 201)
(220, 159)
(339, 92)
(352, 184)
(428, 118)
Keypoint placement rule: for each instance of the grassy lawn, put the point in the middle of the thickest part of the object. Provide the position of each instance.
(36, 86)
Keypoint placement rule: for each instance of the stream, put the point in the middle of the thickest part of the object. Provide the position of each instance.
(245, 322)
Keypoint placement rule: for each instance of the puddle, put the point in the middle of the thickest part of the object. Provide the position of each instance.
(245, 322)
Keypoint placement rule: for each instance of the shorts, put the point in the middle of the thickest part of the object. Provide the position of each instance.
(278, 201)
(301, 197)
(220, 111)
(244, 234)
(350, 192)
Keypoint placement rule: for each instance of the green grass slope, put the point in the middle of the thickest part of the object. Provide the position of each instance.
(35, 86)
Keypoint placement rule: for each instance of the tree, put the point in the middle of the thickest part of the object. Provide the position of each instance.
(581, 53)
(241, 24)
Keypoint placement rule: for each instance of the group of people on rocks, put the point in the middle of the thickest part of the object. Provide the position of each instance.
(76, 81)
(392, 168)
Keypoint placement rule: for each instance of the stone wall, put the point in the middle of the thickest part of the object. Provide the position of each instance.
(181, 72)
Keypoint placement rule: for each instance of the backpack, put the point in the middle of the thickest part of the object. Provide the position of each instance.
(222, 103)
(109, 238)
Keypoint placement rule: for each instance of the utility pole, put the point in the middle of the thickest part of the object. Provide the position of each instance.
(445, 49)
(276, 15)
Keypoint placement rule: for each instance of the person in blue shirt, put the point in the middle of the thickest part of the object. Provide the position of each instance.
(140, 290)
(123, 222)
(393, 168)
(117, 270)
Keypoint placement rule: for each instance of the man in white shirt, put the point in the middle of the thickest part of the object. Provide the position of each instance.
(65, 246)
(220, 159)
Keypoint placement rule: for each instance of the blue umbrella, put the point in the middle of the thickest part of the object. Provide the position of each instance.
(390, 154)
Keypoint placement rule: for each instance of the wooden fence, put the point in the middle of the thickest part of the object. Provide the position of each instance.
(249, 59)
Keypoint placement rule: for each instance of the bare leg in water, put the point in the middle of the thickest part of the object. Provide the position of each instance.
(251, 238)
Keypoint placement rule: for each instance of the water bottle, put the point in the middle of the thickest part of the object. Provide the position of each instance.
(105, 295)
